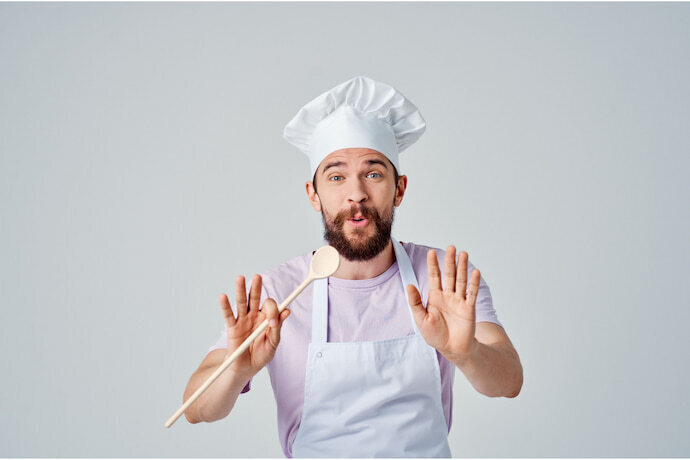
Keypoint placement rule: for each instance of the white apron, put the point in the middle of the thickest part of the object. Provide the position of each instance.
(371, 399)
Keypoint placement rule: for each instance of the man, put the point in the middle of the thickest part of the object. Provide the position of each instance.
(366, 364)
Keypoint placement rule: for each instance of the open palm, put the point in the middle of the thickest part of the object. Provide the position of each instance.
(447, 323)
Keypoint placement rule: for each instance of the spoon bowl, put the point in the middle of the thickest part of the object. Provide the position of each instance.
(324, 262)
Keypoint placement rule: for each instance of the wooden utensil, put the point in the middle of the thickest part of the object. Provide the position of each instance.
(323, 264)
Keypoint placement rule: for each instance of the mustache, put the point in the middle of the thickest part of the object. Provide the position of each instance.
(354, 210)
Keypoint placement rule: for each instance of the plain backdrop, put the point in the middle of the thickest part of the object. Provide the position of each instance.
(143, 168)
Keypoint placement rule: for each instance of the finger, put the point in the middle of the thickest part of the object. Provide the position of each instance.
(416, 305)
(449, 270)
(255, 293)
(227, 310)
(474, 287)
(241, 297)
(434, 271)
(270, 309)
(283, 316)
(461, 281)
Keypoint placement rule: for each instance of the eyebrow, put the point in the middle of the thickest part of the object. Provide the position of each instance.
(340, 163)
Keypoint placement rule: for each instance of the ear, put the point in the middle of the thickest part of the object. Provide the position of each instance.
(314, 199)
(400, 190)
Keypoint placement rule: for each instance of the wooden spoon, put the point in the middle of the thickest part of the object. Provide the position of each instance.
(323, 264)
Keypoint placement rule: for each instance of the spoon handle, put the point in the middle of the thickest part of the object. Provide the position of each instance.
(298, 290)
(241, 349)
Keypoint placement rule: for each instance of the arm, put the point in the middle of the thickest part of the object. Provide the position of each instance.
(493, 367)
(218, 400)
(481, 350)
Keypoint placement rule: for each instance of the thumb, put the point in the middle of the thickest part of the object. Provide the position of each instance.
(415, 301)
(275, 320)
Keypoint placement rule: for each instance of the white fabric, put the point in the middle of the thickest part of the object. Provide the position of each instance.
(360, 112)
(371, 399)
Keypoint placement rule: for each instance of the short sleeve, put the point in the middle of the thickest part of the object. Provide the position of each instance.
(222, 341)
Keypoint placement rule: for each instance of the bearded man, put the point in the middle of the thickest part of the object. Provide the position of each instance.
(365, 365)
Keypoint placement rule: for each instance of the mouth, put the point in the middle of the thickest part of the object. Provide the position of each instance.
(361, 222)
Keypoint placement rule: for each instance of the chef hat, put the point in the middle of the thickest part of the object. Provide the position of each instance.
(360, 112)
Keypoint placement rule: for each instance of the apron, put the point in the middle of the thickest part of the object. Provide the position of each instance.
(371, 399)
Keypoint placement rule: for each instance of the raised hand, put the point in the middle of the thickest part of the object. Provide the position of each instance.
(249, 317)
(448, 321)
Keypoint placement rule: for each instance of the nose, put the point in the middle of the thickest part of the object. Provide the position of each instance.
(358, 192)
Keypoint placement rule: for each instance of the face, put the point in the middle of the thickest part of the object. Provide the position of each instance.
(357, 196)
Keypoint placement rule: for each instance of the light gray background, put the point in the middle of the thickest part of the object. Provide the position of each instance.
(143, 169)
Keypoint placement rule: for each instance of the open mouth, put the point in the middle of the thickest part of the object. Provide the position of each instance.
(358, 222)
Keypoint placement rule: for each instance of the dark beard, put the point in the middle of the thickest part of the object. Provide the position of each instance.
(335, 235)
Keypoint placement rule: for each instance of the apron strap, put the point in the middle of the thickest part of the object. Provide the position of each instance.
(407, 276)
(319, 312)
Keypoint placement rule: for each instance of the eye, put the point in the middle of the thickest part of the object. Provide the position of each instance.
(375, 173)
(333, 177)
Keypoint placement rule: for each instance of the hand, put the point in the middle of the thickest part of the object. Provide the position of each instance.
(448, 321)
(261, 351)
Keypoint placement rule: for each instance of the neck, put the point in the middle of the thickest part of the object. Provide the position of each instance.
(366, 269)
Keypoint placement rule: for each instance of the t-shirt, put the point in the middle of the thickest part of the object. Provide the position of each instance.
(358, 310)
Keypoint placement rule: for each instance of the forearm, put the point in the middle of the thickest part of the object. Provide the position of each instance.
(492, 370)
(219, 398)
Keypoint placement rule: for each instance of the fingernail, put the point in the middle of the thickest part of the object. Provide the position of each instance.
(273, 322)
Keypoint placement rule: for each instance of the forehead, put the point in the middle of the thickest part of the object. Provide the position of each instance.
(353, 156)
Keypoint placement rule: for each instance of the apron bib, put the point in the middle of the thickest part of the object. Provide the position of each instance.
(371, 399)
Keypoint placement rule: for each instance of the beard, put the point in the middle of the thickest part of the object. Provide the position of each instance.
(362, 248)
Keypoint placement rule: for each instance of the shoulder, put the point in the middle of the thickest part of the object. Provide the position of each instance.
(418, 254)
(417, 250)
(287, 275)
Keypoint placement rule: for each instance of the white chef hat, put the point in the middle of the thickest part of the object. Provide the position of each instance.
(360, 112)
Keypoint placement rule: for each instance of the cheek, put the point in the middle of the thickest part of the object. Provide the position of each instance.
(328, 207)
(330, 200)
